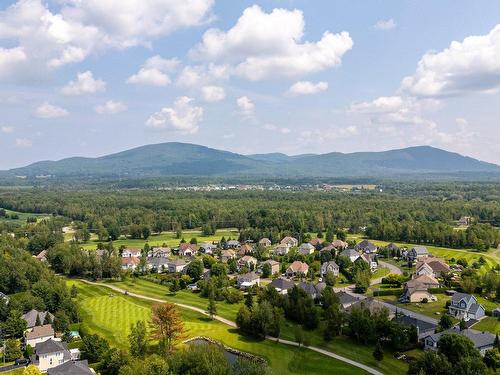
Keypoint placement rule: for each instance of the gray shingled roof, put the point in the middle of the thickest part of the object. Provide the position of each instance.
(50, 346)
(349, 253)
(346, 298)
(309, 288)
(459, 296)
(282, 284)
(420, 250)
(30, 317)
(422, 325)
(479, 339)
(71, 368)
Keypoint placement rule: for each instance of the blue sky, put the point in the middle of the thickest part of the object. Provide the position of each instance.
(94, 77)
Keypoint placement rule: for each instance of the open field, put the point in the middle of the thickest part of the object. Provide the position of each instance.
(489, 324)
(168, 238)
(340, 345)
(22, 216)
(109, 314)
(447, 253)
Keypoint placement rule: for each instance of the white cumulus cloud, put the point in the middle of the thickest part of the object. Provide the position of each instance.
(183, 116)
(47, 111)
(213, 94)
(24, 142)
(269, 45)
(154, 72)
(245, 106)
(7, 129)
(84, 84)
(307, 88)
(472, 65)
(110, 108)
(385, 24)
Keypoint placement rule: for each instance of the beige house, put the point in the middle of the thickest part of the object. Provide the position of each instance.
(226, 255)
(297, 268)
(248, 280)
(275, 266)
(131, 253)
(290, 241)
(416, 290)
(39, 334)
(265, 242)
(247, 261)
(281, 249)
(49, 354)
(432, 267)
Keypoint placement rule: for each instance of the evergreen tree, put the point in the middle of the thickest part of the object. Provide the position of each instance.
(378, 353)
(249, 300)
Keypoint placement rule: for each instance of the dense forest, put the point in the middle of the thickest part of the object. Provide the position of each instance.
(405, 214)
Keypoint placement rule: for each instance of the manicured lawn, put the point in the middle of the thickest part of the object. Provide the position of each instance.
(167, 238)
(489, 324)
(22, 216)
(380, 272)
(446, 253)
(111, 318)
(428, 309)
(487, 303)
(340, 345)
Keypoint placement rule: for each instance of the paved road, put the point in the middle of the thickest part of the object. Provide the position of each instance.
(233, 324)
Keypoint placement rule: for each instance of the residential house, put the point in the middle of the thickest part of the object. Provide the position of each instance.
(316, 242)
(187, 249)
(176, 265)
(226, 255)
(245, 249)
(42, 256)
(373, 305)
(329, 267)
(31, 317)
(351, 254)
(417, 253)
(306, 249)
(432, 266)
(465, 221)
(424, 328)
(207, 248)
(482, 341)
(320, 287)
(38, 334)
(131, 253)
(275, 266)
(281, 249)
(281, 285)
(50, 354)
(265, 242)
(72, 368)
(309, 288)
(392, 247)
(297, 268)
(248, 279)
(159, 252)
(366, 246)
(370, 259)
(289, 241)
(130, 263)
(339, 245)
(158, 264)
(233, 244)
(347, 299)
(416, 290)
(465, 306)
(247, 261)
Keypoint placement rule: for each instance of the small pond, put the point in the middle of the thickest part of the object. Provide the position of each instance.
(231, 357)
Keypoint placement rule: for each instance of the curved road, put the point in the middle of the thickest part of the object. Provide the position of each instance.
(233, 324)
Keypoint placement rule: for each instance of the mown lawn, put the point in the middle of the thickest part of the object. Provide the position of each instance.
(168, 238)
(489, 324)
(110, 314)
(428, 309)
(22, 216)
(340, 345)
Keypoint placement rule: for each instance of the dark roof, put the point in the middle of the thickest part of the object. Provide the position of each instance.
(308, 287)
(459, 296)
(420, 250)
(392, 246)
(365, 244)
(282, 284)
(31, 315)
(345, 298)
(479, 339)
(349, 253)
(50, 346)
(71, 368)
(422, 325)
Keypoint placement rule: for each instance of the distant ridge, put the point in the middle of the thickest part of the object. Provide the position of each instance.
(183, 159)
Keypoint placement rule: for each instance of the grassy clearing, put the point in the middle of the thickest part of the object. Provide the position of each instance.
(168, 238)
(428, 309)
(22, 216)
(111, 318)
(340, 345)
(380, 272)
(489, 324)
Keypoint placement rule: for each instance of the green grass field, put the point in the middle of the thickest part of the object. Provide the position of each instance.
(428, 309)
(341, 345)
(167, 238)
(447, 253)
(489, 324)
(22, 217)
(110, 315)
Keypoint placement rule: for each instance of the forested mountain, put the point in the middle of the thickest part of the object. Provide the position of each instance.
(181, 159)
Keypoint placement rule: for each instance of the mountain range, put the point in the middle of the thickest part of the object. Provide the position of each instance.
(183, 159)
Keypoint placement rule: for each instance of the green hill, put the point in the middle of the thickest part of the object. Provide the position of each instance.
(181, 159)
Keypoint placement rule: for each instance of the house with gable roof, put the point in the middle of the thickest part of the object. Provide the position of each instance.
(463, 305)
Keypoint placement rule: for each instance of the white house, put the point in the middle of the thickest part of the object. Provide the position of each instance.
(329, 267)
(306, 249)
(49, 354)
(281, 249)
(351, 254)
(130, 263)
(176, 265)
(131, 253)
(289, 241)
(248, 279)
(159, 252)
